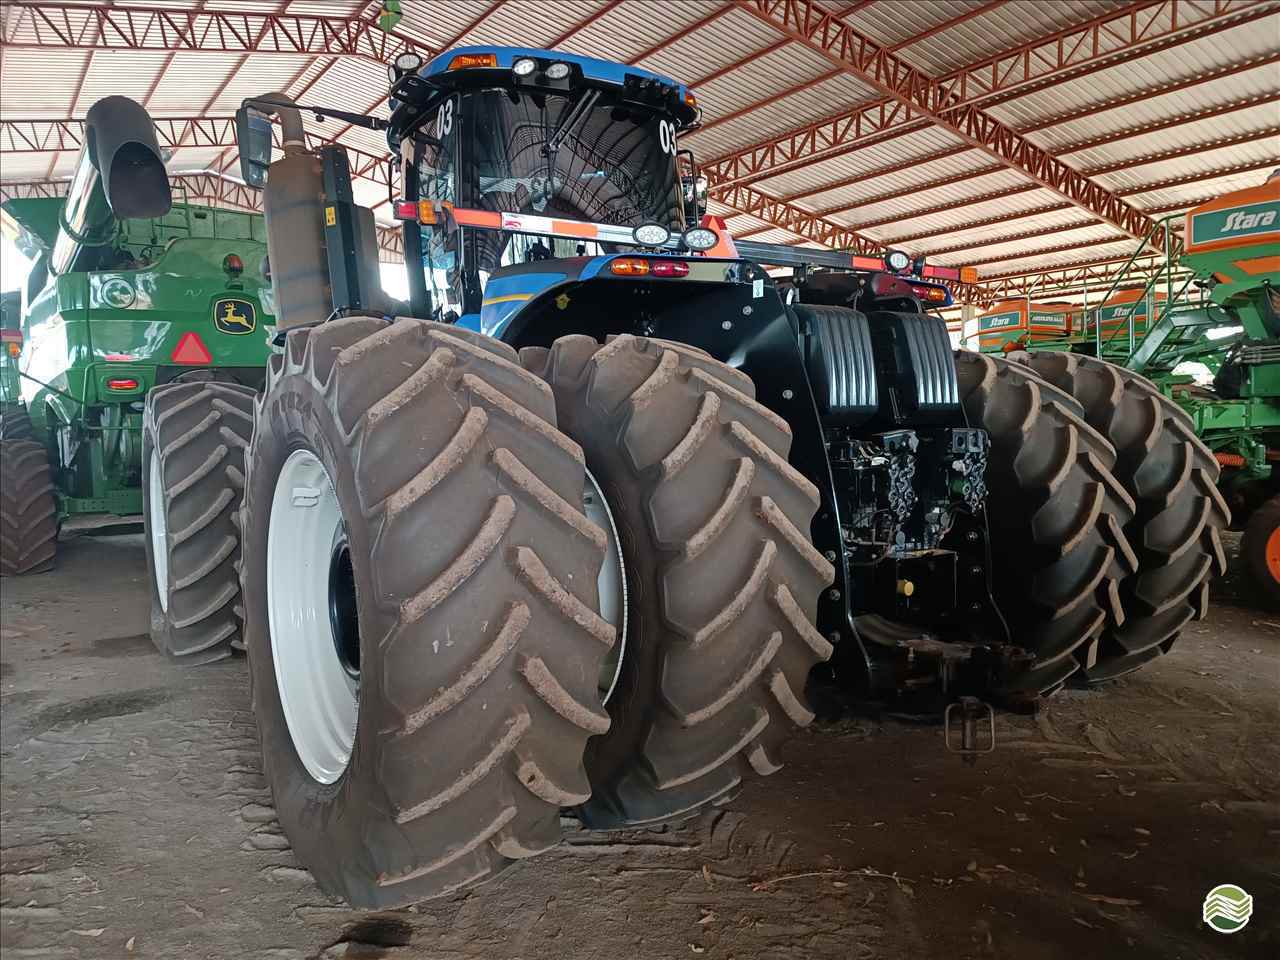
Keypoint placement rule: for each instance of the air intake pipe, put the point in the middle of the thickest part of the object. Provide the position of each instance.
(119, 175)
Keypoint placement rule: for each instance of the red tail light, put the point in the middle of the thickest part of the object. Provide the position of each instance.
(122, 383)
(669, 268)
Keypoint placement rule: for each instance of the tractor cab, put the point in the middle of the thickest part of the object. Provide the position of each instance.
(526, 173)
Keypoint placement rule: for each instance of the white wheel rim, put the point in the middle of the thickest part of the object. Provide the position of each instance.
(612, 582)
(319, 695)
(159, 531)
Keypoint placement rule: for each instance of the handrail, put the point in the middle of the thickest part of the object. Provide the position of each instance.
(1172, 246)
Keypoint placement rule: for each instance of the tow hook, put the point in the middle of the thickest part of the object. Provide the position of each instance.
(966, 715)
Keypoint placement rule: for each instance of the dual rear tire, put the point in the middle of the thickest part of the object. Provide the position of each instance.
(473, 663)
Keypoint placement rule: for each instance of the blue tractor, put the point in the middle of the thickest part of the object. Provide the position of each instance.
(585, 522)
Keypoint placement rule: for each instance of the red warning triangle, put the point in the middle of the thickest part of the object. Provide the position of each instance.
(191, 350)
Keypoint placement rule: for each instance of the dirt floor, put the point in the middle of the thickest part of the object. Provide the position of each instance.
(134, 821)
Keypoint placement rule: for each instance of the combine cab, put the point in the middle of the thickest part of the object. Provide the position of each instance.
(135, 300)
(581, 524)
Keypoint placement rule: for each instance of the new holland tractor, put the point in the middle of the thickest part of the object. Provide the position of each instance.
(575, 528)
(135, 299)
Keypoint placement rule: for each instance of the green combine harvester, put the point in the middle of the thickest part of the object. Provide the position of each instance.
(1214, 302)
(133, 298)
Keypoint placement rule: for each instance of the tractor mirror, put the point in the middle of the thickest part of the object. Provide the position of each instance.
(253, 137)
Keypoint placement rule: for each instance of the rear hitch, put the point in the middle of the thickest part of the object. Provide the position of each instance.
(967, 714)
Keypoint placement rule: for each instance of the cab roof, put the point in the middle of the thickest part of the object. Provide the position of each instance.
(604, 71)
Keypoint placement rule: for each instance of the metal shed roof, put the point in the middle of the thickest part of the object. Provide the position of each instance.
(1024, 138)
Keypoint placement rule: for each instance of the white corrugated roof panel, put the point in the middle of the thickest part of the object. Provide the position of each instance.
(777, 115)
(982, 36)
(812, 182)
(190, 81)
(1231, 46)
(39, 83)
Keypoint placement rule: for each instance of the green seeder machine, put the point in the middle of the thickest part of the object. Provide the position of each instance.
(1215, 301)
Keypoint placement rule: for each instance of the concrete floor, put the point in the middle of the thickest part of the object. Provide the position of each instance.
(134, 821)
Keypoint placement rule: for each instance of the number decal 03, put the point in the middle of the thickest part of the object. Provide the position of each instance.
(667, 136)
(444, 119)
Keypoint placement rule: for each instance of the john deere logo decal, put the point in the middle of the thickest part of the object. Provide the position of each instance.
(234, 316)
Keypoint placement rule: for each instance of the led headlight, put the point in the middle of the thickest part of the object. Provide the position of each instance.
(523, 67)
(897, 261)
(651, 234)
(700, 238)
(557, 71)
(409, 62)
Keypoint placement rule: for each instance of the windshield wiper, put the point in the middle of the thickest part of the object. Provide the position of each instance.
(570, 123)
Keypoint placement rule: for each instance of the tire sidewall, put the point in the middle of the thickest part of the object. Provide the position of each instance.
(160, 631)
(316, 817)
(635, 696)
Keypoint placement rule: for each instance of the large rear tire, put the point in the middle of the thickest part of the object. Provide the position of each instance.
(194, 437)
(1172, 478)
(722, 580)
(15, 423)
(447, 603)
(1056, 516)
(1260, 549)
(28, 511)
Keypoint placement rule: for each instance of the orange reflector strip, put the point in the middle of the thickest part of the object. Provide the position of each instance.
(464, 60)
(426, 213)
(1257, 265)
(629, 267)
(191, 350)
(1229, 459)
(575, 228)
(477, 218)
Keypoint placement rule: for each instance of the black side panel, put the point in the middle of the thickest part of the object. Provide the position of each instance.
(915, 358)
(838, 355)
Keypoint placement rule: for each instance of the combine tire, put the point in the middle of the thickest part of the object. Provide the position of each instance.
(1057, 518)
(15, 423)
(194, 437)
(1260, 548)
(420, 595)
(722, 580)
(28, 513)
(1172, 478)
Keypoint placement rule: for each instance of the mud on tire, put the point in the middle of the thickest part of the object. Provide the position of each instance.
(722, 579)
(1172, 478)
(475, 583)
(194, 435)
(28, 511)
(1056, 515)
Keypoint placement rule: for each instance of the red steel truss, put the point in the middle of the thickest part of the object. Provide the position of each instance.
(1139, 28)
(38, 136)
(949, 101)
(38, 24)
